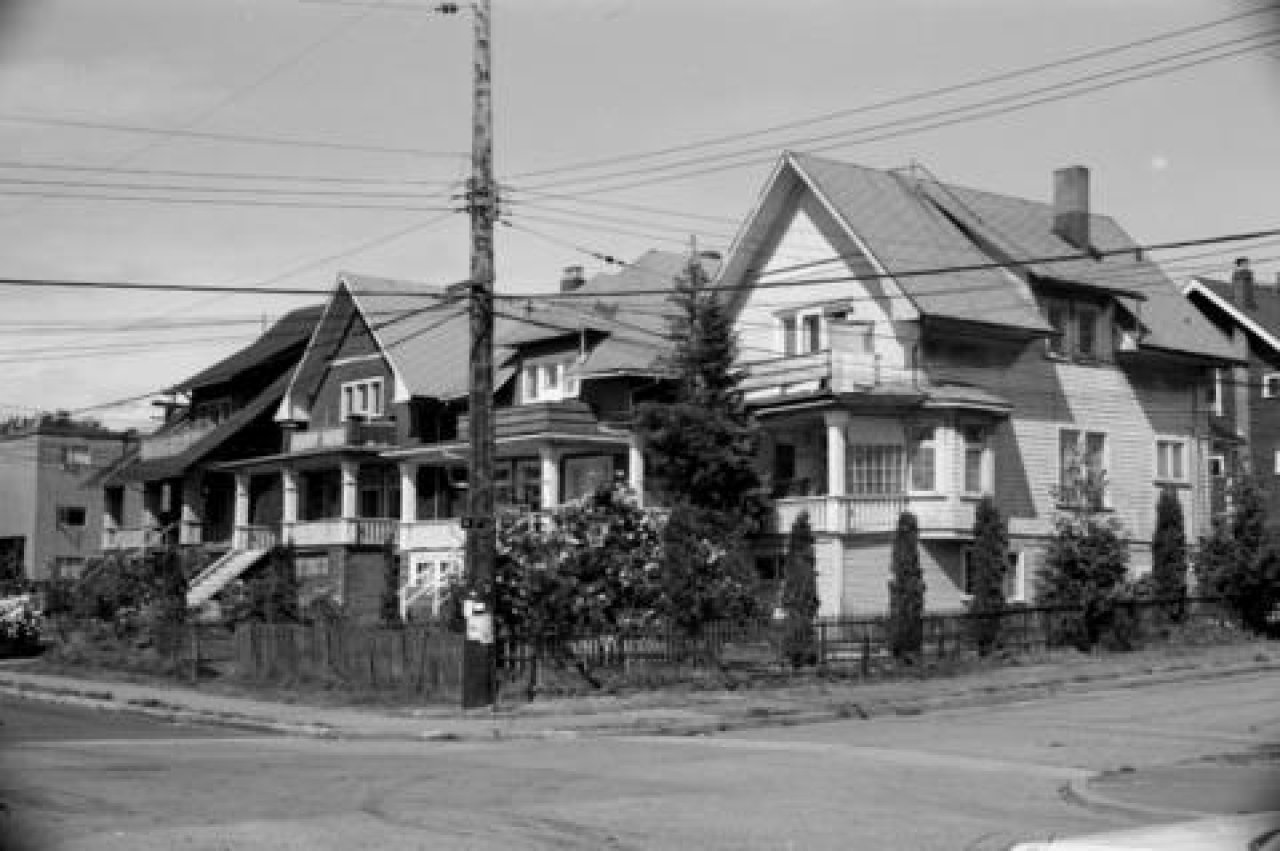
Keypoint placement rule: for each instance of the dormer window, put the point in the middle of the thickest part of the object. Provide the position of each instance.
(548, 382)
(362, 399)
(1080, 330)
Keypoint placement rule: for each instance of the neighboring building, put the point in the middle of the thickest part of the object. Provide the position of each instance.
(1246, 399)
(170, 490)
(375, 419)
(51, 513)
(916, 345)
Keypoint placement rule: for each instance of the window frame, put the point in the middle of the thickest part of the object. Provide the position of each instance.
(1168, 477)
(1082, 449)
(64, 514)
(982, 448)
(365, 391)
(1271, 385)
(917, 443)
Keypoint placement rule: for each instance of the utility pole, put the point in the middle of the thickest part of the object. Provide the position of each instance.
(478, 669)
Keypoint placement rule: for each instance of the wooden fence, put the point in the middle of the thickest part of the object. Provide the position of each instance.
(416, 660)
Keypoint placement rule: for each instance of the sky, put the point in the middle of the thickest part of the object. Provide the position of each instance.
(271, 144)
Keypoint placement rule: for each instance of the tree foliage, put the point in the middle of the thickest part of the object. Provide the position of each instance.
(706, 572)
(389, 600)
(1241, 559)
(988, 562)
(273, 588)
(1085, 567)
(800, 593)
(906, 591)
(1169, 554)
(701, 447)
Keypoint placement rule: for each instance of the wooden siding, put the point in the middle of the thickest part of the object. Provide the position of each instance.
(1132, 403)
(806, 235)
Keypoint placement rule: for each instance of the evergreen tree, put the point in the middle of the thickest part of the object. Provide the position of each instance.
(906, 591)
(701, 447)
(273, 588)
(706, 571)
(389, 602)
(1241, 560)
(988, 561)
(800, 594)
(1086, 563)
(1169, 554)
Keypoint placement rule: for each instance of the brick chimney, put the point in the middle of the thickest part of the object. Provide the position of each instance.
(571, 279)
(1071, 206)
(1243, 291)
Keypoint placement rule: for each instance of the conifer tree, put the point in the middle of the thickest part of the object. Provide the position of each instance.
(1241, 560)
(988, 561)
(906, 591)
(800, 593)
(1169, 554)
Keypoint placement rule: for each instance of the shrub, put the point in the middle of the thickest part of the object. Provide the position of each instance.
(988, 562)
(906, 591)
(800, 594)
(1169, 555)
(1241, 560)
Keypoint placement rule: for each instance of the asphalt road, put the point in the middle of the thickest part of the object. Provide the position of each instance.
(976, 779)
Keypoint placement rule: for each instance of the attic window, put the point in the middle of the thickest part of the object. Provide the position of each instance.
(1271, 385)
(362, 398)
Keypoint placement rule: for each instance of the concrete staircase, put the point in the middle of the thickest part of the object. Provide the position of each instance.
(220, 574)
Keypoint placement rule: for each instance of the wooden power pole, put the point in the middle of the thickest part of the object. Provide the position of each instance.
(478, 665)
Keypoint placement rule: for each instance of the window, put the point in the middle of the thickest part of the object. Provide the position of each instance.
(812, 327)
(788, 335)
(1087, 331)
(1083, 467)
(975, 451)
(1217, 466)
(1276, 463)
(76, 457)
(1013, 581)
(1056, 313)
(71, 515)
(1271, 385)
(923, 459)
(362, 398)
(1213, 392)
(547, 382)
(875, 470)
(212, 412)
(1171, 461)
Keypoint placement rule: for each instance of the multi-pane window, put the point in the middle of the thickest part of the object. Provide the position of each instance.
(1080, 330)
(975, 450)
(788, 335)
(923, 459)
(1057, 314)
(1082, 469)
(547, 382)
(1087, 331)
(1171, 465)
(362, 398)
(875, 470)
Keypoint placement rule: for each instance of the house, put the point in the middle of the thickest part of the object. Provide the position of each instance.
(915, 345)
(1245, 402)
(51, 508)
(376, 449)
(170, 489)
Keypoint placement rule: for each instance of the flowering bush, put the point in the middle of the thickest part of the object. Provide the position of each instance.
(21, 627)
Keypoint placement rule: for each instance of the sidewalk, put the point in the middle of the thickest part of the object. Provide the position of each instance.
(662, 712)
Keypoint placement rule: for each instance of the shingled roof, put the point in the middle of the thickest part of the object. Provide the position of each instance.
(290, 332)
(993, 249)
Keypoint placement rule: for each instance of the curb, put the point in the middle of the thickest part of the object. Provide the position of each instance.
(1080, 793)
(707, 723)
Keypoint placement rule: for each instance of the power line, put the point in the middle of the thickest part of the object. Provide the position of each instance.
(222, 202)
(274, 177)
(897, 101)
(1001, 105)
(230, 190)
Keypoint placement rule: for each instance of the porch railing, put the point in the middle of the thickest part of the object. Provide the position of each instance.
(255, 537)
(348, 434)
(842, 514)
(431, 534)
(357, 531)
(838, 371)
(133, 538)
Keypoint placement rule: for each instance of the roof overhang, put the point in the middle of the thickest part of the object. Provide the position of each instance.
(1243, 319)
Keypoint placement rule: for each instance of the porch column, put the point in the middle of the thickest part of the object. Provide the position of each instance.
(836, 422)
(408, 492)
(190, 511)
(635, 467)
(350, 489)
(550, 477)
(289, 503)
(242, 500)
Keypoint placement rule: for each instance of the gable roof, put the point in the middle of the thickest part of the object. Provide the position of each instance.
(992, 249)
(290, 331)
(1262, 322)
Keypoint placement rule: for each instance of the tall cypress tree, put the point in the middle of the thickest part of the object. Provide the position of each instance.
(800, 593)
(906, 591)
(1169, 554)
(988, 561)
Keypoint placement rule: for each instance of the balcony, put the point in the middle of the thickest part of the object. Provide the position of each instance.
(938, 515)
(444, 534)
(174, 442)
(350, 435)
(570, 416)
(833, 371)
(350, 531)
